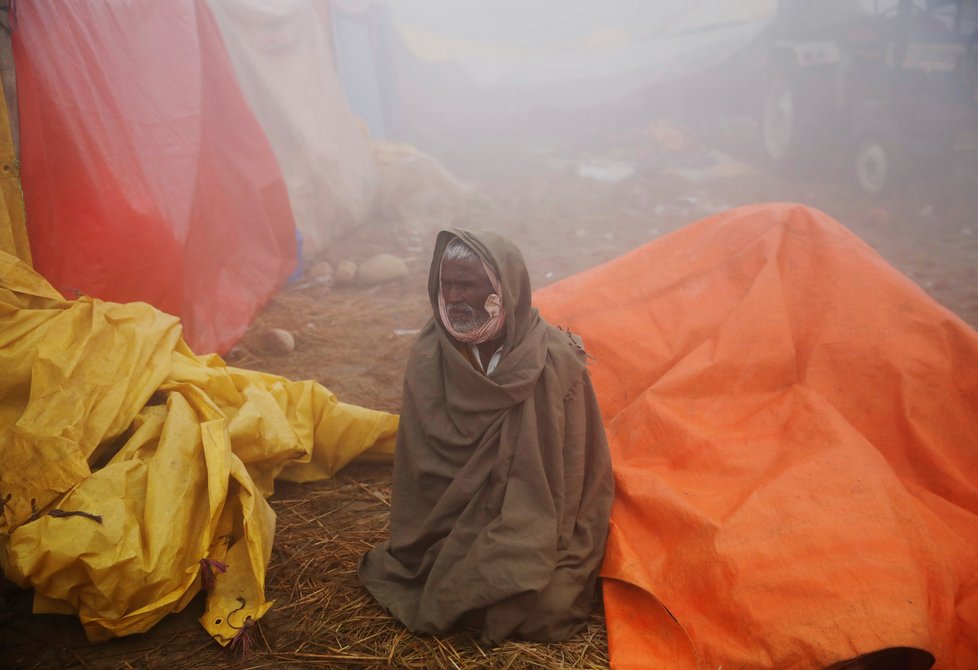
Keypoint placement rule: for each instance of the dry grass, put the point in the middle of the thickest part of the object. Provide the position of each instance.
(327, 618)
(322, 616)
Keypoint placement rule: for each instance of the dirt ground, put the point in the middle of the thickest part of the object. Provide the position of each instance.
(568, 212)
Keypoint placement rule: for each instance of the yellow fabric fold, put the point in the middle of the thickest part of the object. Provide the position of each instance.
(129, 459)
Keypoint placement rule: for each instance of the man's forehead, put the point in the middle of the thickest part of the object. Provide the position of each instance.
(463, 268)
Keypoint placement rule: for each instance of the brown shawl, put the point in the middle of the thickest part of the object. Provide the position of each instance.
(502, 483)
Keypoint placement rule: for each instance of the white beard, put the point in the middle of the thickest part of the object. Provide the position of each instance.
(464, 318)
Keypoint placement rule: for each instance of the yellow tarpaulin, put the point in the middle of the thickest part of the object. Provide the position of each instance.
(128, 460)
(13, 234)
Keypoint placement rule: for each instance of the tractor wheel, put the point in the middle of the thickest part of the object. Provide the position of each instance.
(788, 124)
(877, 164)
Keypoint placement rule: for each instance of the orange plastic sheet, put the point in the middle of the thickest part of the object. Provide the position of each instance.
(793, 427)
(146, 176)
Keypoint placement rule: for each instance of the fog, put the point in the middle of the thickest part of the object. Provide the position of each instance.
(620, 121)
(783, 80)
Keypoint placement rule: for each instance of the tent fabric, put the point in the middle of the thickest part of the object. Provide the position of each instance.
(13, 232)
(283, 62)
(792, 425)
(146, 176)
(128, 459)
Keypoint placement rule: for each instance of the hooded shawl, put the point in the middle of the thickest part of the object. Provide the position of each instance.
(502, 483)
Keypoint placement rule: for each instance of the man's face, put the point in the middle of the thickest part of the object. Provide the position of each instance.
(465, 287)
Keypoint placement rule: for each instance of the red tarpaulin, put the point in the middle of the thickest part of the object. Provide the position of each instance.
(793, 427)
(145, 175)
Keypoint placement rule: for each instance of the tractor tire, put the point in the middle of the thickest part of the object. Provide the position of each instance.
(879, 164)
(785, 123)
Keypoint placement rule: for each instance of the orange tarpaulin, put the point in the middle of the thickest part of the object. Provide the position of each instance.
(793, 426)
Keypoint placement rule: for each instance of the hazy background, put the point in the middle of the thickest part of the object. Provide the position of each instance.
(474, 77)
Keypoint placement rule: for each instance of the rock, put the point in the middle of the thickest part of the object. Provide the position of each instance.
(279, 341)
(346, 273)
(321, 272)
(381, 268)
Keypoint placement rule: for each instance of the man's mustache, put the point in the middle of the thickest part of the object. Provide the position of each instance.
(461, 307)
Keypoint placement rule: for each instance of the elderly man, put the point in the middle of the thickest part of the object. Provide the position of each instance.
(502, 479)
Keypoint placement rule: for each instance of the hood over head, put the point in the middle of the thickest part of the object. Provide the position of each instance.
(505, 258)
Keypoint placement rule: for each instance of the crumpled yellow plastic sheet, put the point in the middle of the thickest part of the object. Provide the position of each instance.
(127, 460)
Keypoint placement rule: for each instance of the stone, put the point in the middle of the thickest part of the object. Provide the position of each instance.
(380, 269)
(279, 341)
(346, 273)
(321, 272)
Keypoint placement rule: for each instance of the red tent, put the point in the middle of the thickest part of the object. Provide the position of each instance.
(146, 176)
